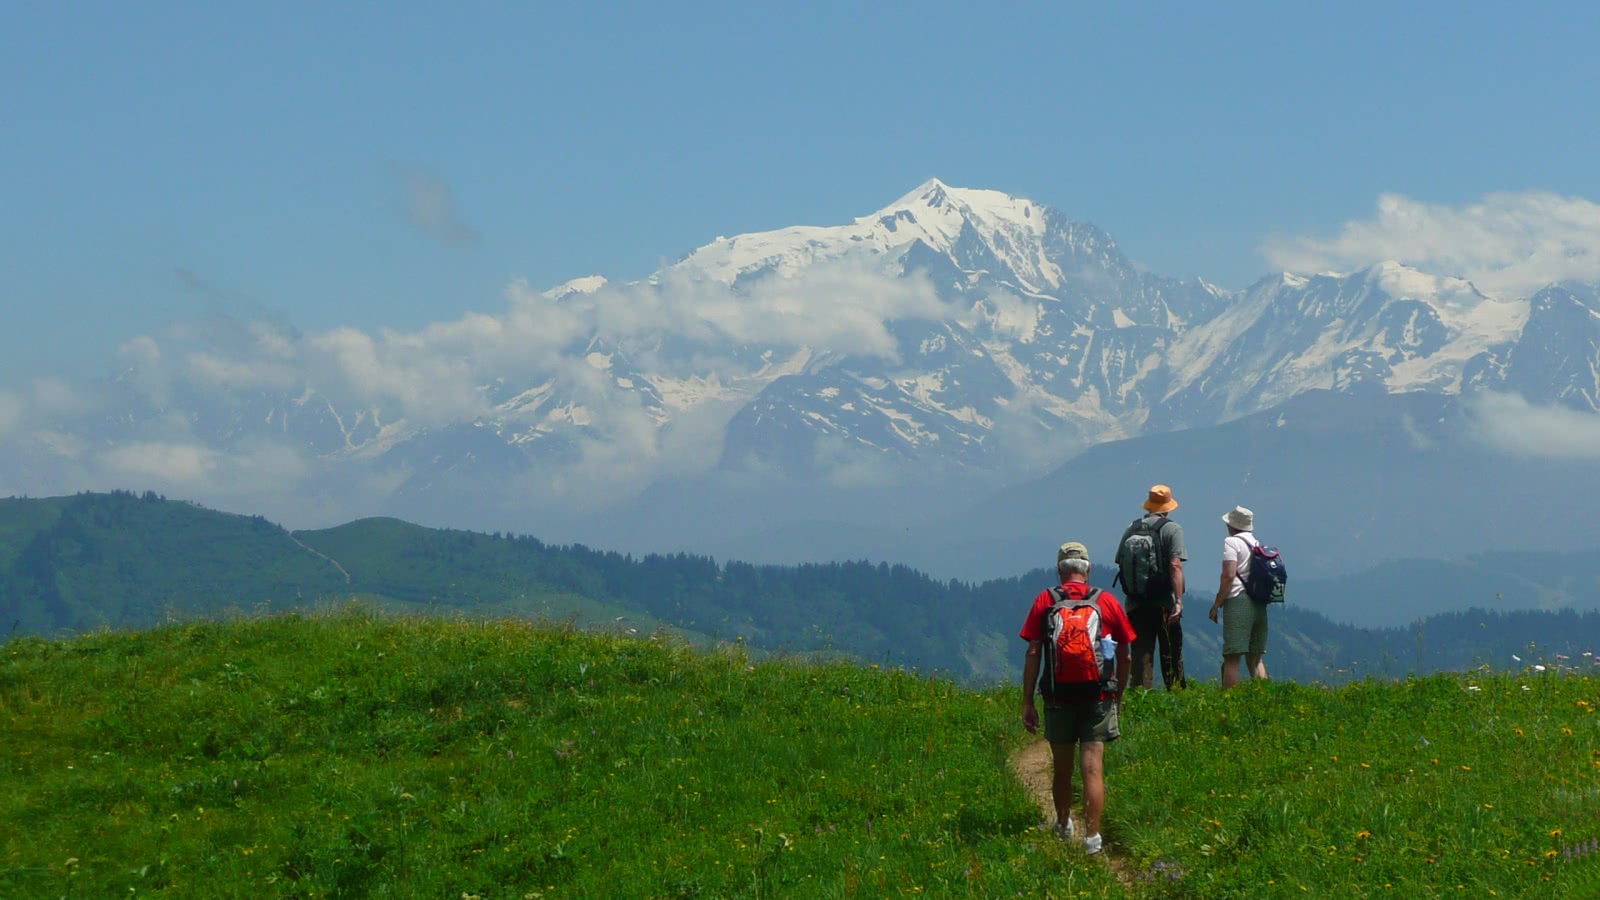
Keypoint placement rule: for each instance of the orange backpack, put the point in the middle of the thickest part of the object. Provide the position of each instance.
(1078, 664)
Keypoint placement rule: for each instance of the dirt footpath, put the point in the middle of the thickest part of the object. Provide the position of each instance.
(1034, 769)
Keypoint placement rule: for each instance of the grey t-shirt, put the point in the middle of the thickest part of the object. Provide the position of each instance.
(1170, 537)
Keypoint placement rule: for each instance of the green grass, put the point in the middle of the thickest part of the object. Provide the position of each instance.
(358, 755)
(1452, 785)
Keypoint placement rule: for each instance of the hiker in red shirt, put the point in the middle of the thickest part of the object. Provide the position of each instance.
(1069, 664)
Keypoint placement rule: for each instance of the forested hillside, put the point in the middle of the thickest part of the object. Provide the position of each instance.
(92, 561)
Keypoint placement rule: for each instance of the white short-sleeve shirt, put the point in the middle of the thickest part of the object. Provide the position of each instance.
(1237, 548)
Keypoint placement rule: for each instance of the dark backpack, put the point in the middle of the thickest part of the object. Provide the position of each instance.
(1268, 578)
(1141, 565)
(1076, 664)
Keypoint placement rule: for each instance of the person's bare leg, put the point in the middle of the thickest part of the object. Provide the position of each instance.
(1061, 780)
(1230, 670)
(1091, 754)
(1258, 665)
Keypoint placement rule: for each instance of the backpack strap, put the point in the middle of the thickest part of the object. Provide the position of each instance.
(1092, 598)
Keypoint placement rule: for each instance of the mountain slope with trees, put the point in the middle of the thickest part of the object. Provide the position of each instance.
(93, 561)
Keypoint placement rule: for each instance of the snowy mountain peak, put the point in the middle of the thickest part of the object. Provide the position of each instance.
(588, 284)
(1441, 291)
(943, 213)
(942, 217)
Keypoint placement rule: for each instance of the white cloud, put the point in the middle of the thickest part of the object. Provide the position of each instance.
(425, 381)
(11, 410)
(1508, 244)
(434, 374)
(247, 373)
(142, 350)
(1511, 424)
(212, 388)
(194, 470)
(186, 464)
(56, 397)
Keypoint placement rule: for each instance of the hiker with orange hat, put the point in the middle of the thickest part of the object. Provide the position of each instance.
(1150, 559)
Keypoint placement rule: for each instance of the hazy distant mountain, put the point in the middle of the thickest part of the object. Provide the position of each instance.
(1340, 481)
(970, 339)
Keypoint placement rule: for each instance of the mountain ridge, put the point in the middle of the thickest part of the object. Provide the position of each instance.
(956, 337)
(90, 562)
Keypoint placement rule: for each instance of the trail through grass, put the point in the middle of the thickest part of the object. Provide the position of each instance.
(367, 756)
(363, 755)
(1035, 768)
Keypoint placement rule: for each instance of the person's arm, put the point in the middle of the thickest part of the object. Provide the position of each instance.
(1175, 571)
(1030, 679)
(1124, 667)
(1230, 571)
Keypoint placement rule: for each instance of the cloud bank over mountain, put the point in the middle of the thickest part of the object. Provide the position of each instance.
(949, 342)
(1508, 244)
(1508, 422)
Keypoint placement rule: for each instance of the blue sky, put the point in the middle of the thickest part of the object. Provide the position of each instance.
(163, 161)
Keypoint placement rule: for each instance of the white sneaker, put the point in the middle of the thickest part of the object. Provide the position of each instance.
(1066, 831)
(1092, 844)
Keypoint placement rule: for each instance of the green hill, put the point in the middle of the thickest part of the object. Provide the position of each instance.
(117, 560)
(92, 561)
(363, 755)
(418, 757)
(96, 560)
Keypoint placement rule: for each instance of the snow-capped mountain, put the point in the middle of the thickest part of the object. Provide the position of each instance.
(1053, 335)
(1388, 328)
(1555, 356)
(953, 330)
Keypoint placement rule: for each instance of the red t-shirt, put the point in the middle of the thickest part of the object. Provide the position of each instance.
(1113, 620)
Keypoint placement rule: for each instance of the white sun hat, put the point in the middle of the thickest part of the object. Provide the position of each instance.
(1240, 518)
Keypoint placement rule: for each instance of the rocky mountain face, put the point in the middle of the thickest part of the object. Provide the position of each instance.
(1556, 356)
(996, 336)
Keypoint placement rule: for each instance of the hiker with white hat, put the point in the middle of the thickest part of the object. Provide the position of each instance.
(1244, 621)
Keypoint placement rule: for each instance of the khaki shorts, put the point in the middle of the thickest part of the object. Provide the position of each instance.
(1088, 721)
(1244, 626)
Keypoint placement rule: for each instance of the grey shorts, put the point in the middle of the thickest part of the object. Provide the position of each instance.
(1086, 720)
(1244, 626)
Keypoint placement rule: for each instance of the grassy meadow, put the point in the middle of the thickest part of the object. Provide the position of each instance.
(362, 755)
(358, 754)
